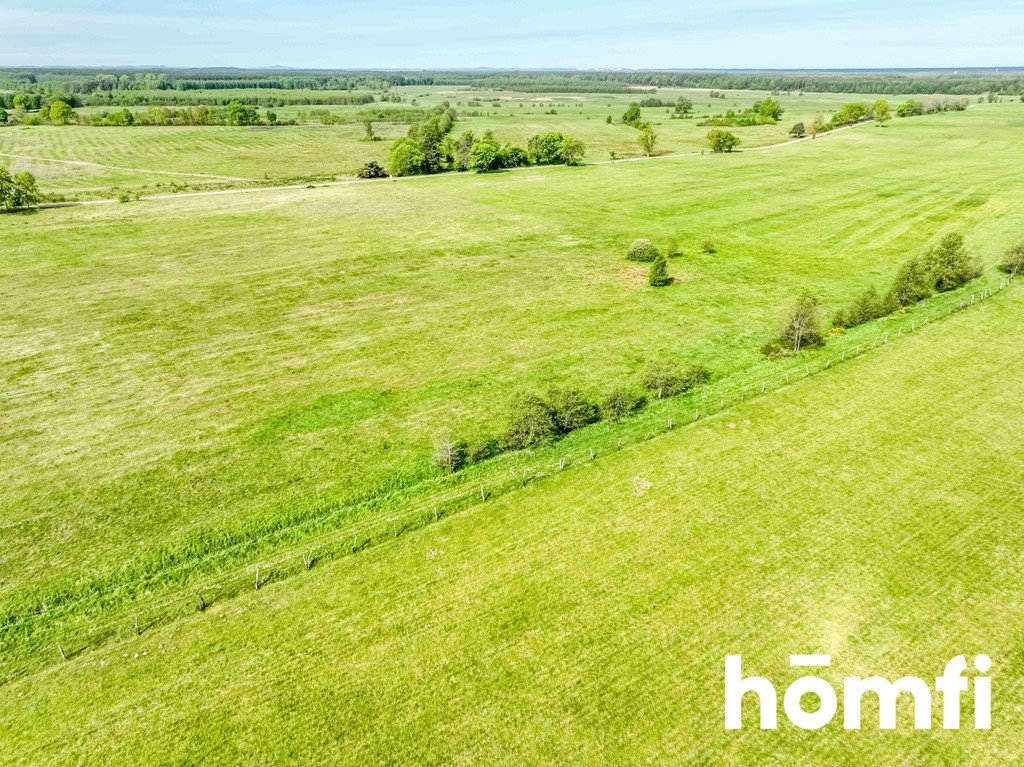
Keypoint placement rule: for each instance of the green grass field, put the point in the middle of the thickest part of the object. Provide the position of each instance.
(868, 513)
(194, 387)
(312, 150)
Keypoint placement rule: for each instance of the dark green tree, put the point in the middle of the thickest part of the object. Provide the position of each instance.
(657, 276)
(632, 115)
(484, 156)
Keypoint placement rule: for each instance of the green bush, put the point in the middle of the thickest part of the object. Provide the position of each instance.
(572, 409)
(867, 306)
(531, 421)
(667, 379)
(910, 285)
(488, 447)
(708, 247)
(1013, 261)
(642, 250)
(372, 170)
(658, 276)
(622, 402)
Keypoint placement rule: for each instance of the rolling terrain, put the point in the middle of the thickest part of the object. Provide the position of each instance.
(193, 388)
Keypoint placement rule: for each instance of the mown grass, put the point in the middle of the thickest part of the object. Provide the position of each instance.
(193, 381)
(869, 513)
(289, 152)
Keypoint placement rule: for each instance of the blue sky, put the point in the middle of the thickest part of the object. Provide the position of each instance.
(528, 33)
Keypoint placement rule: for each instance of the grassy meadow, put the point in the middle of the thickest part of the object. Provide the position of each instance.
(869, 513)
(191, 388)
(138, 158)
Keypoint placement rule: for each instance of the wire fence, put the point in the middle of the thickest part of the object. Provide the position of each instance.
(45, 635)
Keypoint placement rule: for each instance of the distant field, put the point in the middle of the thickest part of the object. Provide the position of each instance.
(871, 513)
(191, 383)
(287, 152)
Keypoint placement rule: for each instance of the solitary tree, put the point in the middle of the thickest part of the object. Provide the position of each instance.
(647, 139)
(368, 128)
(632, 115)
(684, 105)
(798, 131)
(722, 140)
(372, 169)
(802, 326)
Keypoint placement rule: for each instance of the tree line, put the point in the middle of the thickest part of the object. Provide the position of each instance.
(891, 82)
(944, 267)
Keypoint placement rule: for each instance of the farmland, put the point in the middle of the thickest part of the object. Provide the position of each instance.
(193, 388)
(593, 615)
(273, 154)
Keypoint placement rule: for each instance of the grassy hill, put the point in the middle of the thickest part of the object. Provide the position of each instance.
(870, 512)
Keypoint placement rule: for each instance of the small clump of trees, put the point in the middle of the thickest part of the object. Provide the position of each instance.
(944, 267)
(533, 419)
(431, 148)
(768, 111)
(17, 191)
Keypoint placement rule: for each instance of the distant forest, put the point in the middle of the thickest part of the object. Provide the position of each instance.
(126, 87)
